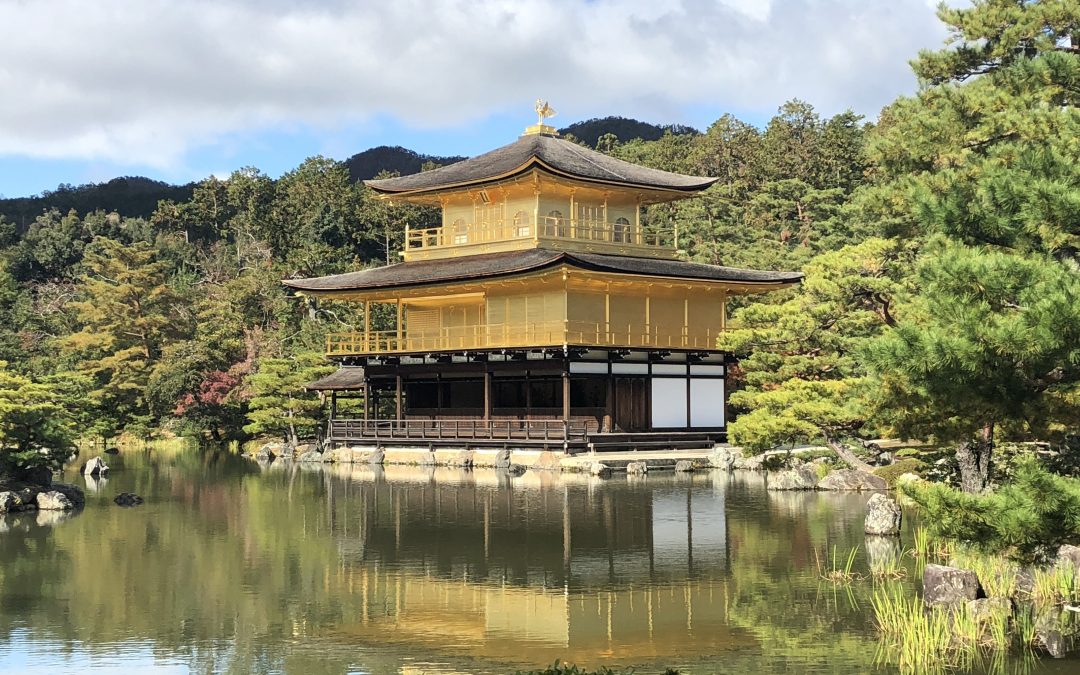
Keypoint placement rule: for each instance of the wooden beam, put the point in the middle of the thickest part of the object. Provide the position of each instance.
(487, 393)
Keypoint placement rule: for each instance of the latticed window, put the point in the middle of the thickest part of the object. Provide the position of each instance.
(621, 233)
(521, 224)
(555, 225)
(460, 231)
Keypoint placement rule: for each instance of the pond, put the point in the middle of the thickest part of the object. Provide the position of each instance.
(235, 567)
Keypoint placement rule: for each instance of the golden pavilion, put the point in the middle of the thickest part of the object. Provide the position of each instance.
(541, 311)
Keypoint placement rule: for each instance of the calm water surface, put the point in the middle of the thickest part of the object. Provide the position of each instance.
(233, 567)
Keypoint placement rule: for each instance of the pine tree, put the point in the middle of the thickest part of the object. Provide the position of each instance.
(279, 403)
(801, 358)
(982, 170)
(128, 312)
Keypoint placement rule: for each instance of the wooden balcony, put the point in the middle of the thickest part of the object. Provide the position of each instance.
(497, 336)
(499, 430)
(617, 238)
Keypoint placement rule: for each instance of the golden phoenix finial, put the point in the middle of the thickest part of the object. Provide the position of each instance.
(544, 110)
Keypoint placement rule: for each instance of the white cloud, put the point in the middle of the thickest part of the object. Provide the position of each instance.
(147, 81)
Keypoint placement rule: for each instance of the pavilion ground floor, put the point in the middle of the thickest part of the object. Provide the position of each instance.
(567, 398)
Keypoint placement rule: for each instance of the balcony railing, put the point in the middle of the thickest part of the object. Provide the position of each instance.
(595, 231)
(506, 335)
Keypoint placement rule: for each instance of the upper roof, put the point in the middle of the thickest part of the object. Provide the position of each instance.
(544, 151)
(485, 266)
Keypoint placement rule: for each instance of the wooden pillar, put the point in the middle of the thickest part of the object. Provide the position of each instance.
(367, 399)
(397, 394)
(367, 326)
(333, 404)
(566, 395)
(400, 328)
(609, 402)
(487, 394)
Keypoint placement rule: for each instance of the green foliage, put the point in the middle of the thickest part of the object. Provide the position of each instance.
(1027, 519)
(36, 429)
(893, 471)
(800, 357)
(560, 668)
(279, 403)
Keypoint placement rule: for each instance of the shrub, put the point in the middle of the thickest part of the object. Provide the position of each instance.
(1027, 519)
(893, 471)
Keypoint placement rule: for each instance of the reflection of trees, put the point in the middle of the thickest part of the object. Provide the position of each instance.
(226, 564)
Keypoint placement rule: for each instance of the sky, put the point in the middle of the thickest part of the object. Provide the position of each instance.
(178, 90)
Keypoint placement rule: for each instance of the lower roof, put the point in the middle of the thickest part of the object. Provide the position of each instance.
(347, 378)
(490, 265)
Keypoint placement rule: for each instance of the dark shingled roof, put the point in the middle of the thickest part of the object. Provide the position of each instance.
(556, 154)
(421, 272)
(345, 379)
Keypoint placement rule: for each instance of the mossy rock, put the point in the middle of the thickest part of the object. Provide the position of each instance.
(893, 471)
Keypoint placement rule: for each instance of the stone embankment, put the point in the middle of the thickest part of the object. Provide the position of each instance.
(815, 475)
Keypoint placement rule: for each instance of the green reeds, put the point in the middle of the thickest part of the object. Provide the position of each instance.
(918, 640)
(996, 574)
(1055, 584)
(835, 569)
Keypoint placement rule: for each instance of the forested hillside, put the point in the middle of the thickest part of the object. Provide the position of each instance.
(941, 246)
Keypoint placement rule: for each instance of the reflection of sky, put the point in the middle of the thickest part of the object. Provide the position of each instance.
(704, 541)
(27, 656)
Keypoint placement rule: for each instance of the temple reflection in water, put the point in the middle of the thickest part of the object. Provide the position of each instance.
(498, 565)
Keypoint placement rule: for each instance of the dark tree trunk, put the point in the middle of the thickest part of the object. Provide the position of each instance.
(975, 460)
(848, 456)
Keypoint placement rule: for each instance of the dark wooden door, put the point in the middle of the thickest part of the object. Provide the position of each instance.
(631, 404)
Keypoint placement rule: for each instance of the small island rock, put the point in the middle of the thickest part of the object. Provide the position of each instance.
(502, 459)
(802, 478)
(882, 516)
(128, 499)
(637, 468)
(684, 466)
(53, 501)
(9, 501)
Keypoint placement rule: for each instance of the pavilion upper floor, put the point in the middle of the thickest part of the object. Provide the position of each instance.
(535, 299)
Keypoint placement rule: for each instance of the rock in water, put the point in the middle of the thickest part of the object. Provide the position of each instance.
(516, 470)
(849, 479)
(74, 494)
(128, 499)
(266, 453)
(53, 501)
(599, 469)
(96, 468)
(637, 468)
(802, 478)
(722, 458)
(949, 585)
(502, 459)
(112, 451)
(9, 501)
(377, 457)
(310, 456)
(684, 466)
(882, 516)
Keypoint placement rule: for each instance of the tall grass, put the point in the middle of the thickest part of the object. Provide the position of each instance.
(836, 569)
(917, 640)
(1056, 584)
(996, 574)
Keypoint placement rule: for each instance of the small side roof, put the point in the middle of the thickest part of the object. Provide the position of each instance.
(486, 266)
(347, 378)
(558, 156)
